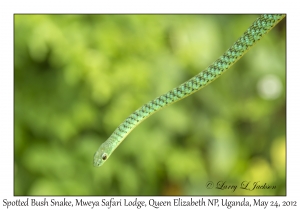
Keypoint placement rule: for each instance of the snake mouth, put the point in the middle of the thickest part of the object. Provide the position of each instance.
(97, 163)
(97, 160)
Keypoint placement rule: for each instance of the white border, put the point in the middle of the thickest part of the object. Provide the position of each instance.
(8, 8)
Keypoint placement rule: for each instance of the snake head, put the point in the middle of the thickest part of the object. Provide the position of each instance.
(105, 150)
(100, 157)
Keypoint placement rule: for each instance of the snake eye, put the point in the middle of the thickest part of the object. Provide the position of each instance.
(104, 156)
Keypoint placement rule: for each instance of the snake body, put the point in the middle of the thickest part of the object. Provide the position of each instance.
(254, 33)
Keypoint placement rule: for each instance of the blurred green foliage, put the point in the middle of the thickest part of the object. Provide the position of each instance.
(77, 77)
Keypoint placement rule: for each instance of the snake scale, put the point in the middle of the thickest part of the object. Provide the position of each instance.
(254, 33)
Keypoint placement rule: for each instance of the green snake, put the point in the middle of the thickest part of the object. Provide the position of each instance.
(254, 33)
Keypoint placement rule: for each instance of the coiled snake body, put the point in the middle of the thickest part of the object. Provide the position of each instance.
(253, 34)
